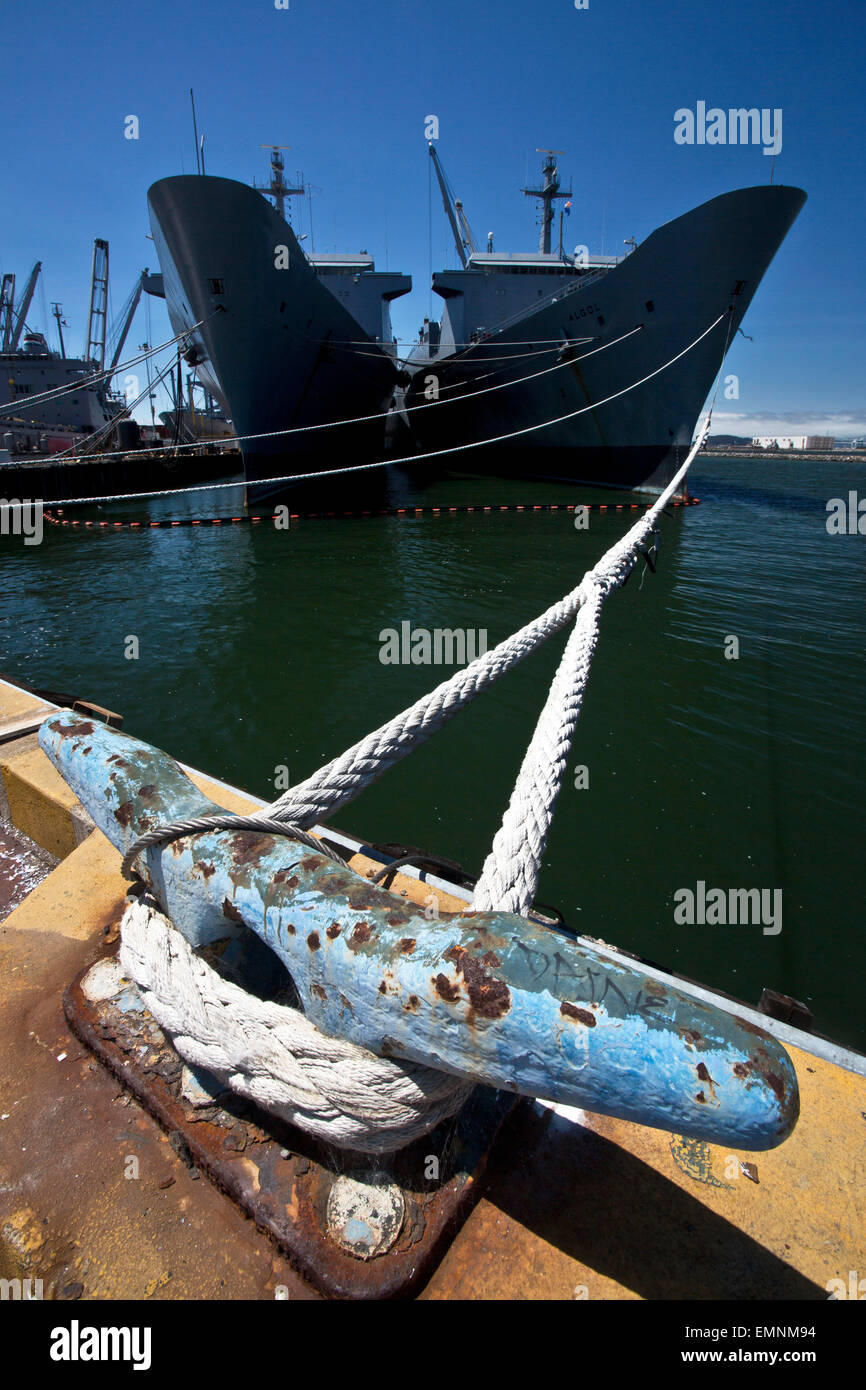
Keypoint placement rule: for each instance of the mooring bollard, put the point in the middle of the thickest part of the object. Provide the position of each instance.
(488, 996)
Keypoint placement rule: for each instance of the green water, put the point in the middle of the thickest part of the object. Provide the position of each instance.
(260, 648)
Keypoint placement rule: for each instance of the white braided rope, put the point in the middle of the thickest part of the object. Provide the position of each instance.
(274, 1055)
(510, 875)
(345, 777)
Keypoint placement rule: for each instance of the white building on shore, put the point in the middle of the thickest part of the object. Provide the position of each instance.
(793, 441)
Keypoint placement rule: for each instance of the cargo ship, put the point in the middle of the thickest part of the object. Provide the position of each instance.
(599, 365)
(287, 342)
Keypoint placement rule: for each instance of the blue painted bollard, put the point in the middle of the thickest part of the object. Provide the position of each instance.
(487, 996)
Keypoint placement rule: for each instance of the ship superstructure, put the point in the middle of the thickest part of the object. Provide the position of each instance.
(602, 364)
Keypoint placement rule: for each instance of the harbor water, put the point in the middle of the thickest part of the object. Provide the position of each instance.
(259, 658)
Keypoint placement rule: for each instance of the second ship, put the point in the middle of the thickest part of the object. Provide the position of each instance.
(285, 340)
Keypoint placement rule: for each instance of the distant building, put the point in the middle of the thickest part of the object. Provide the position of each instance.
(793, 441)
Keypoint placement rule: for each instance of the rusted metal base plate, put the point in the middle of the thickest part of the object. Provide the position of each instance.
(282, 1177)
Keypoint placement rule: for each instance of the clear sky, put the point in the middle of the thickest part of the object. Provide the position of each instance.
(348, 86)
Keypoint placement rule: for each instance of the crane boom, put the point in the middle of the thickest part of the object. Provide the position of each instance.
(24, 309)
(465, 229)
(94, 347)
(7, 310)
(133, 305)
(448, 204)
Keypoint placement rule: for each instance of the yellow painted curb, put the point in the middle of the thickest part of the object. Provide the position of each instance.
(38, 802)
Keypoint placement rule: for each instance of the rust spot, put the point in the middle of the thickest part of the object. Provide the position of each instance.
(147, 792)
(204, 869)
(83, 727)
(333, 931)
(361, 932)
(319, 992)
(703, 1073)
(230, 911)
(773, 1079)
(412, 1003)
(345, 1002)
(290, 928)
(701, 1097)
(407, 945)
(248, 848)
(125, 814)
(582, 1015)
(282, 876)
(445, 989)
(741, 1069)
(691, 1036)
(313, 941)
(383, 988)
(488, 996)
(750, 1028)
(310, 862)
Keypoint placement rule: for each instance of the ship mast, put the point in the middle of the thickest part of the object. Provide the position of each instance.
(57, 311)
(278, 189)
(547, 194)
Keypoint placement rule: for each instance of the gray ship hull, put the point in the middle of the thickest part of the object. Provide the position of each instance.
(675, 285)
(273, 342)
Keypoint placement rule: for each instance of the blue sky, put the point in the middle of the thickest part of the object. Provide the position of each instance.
(347, 85)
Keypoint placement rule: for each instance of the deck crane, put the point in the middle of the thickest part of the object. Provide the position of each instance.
(94, 347)
(462, 232)
(24, 307)
(128, 315)
(7, 311)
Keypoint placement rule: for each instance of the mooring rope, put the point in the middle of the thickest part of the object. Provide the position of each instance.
(82, 383)
(214, 1024)
(461, 448)
(377, 415)
(274, 1055)
(199, 824)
